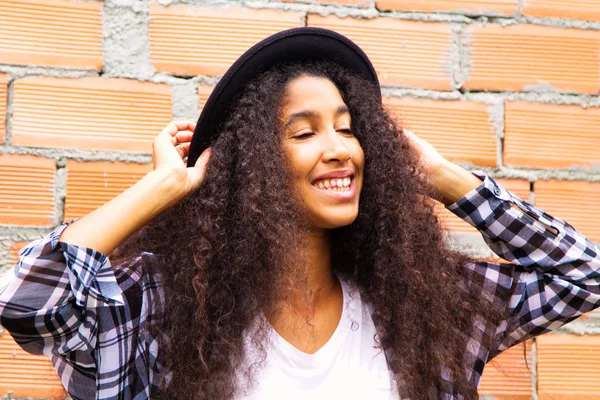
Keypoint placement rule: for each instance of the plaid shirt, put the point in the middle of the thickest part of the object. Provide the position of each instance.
(68, 302)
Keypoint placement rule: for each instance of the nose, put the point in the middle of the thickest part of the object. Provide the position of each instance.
(334, 147)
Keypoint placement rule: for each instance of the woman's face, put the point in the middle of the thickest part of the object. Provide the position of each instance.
(326, 160)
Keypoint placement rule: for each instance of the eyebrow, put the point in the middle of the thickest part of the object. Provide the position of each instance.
(343, 109)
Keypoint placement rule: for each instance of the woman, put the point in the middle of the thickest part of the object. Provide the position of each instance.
(297, 257)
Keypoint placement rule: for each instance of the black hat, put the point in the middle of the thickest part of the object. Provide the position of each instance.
(298, 44)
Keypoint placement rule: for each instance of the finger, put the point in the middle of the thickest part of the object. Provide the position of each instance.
(199, 169)
(183, 150)
(411, 136)
(176, 126)
(182, 137)
(416, 142)
(162, 150)
(167, 138)
(204, 157)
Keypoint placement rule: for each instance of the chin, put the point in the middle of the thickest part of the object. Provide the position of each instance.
(333, 222)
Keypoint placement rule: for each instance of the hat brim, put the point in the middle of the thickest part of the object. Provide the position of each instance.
(293, 45)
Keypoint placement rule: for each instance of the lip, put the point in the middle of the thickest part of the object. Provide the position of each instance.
(342, 173)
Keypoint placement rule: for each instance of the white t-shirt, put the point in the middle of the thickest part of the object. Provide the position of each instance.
(349, 365)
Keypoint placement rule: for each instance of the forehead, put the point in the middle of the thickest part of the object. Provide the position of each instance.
(310, 92)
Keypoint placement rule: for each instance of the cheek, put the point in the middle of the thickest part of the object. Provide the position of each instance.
(302, 160)
(358, 156)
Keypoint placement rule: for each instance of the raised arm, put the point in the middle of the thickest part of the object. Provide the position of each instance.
(107, 227)
(54, 299)
(554, 275)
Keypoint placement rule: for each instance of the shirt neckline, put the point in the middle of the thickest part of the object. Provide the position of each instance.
(300, 358)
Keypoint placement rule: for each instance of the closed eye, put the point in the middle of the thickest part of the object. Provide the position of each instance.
(305, 135)
(346, 132)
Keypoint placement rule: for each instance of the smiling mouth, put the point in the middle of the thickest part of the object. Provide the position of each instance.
(335, 184)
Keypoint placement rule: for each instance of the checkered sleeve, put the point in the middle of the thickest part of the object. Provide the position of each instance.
(554, 274)
(48, 301)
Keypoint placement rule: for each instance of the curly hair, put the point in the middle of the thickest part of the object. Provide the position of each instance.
(228, 252)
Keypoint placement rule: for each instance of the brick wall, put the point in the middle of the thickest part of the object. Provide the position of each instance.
(507, 86)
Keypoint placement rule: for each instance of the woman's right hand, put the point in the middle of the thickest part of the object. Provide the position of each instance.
(108, 226)
(169, 152)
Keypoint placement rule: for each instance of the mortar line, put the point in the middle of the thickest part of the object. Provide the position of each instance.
(534, 362)
(519, 10)
(366, 12)
(9, 112)
(60, 191)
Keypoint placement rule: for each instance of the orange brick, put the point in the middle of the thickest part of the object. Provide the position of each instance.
(203, 92)
(519, 187)
(508, 376)
(27, 375)
(551, 136)
(574, 201)
(405, 53)
(588, 10)
(460, 130)
(56, 33)
(15, 247)
(89, 113)
(471, 7)
(27, 190)
(568, 367)
(522, 56)
(3, 101)
(91, 184)
(187, 40)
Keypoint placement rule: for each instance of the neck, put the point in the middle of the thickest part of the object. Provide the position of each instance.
(318, 261)
(310, 315)
(321, 281)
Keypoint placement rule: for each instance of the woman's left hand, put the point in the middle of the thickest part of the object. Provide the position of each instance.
(449, 181)
(431, 160)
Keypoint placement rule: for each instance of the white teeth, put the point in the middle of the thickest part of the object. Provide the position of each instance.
(337, 185)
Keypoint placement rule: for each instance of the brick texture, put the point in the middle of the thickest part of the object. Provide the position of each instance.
(460, 130)
(14, 249)
(57, 33)
(588, 10)
(188, 40)
(573, 201)
(469, 7)
(508, 376)
(519, 187)
(26, 375)
(27, 190)
(568, 367)
(203, 92)
(405, 53)
(525, 56)
(89, 113)
(91, 184)
(3, 102)
(551, 136)
(104, 118)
